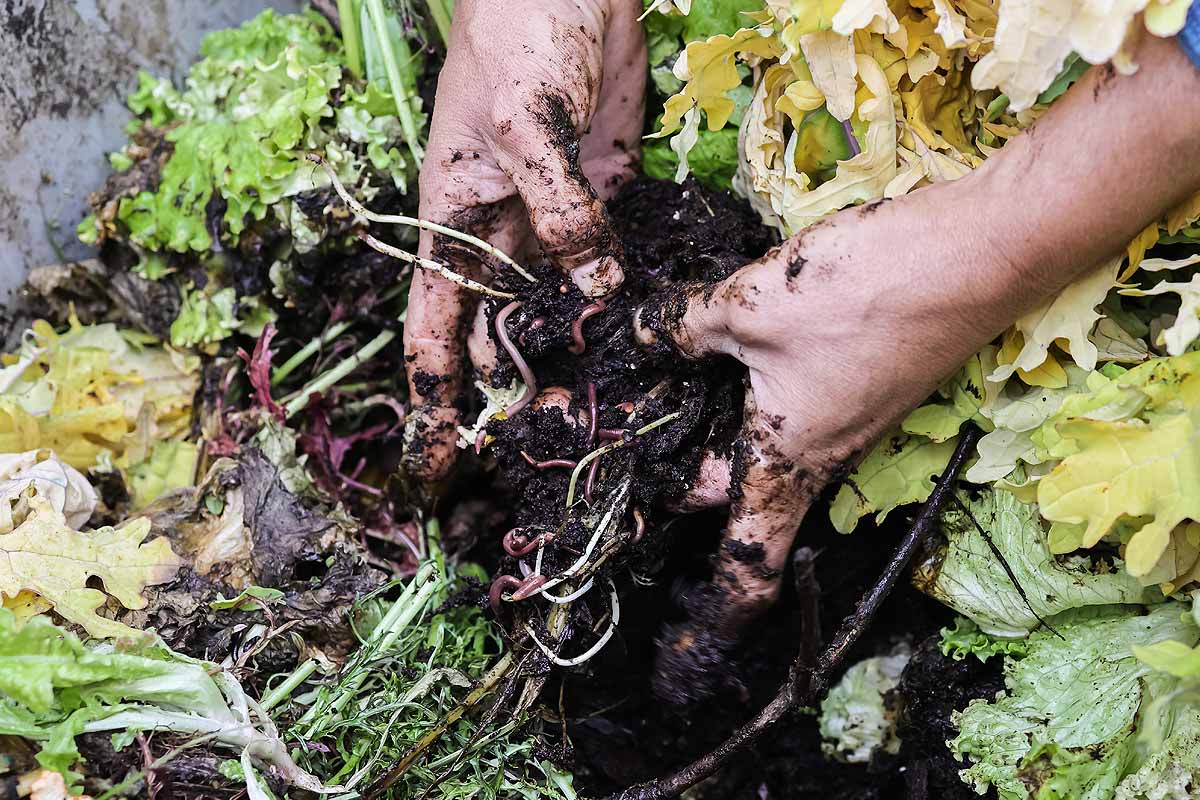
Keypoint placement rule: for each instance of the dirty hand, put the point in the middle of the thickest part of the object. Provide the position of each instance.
(537, 121)
(846, 327)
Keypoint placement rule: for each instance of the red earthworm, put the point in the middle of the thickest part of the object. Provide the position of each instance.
(529, 587)
(591, 479)
(639, 526)
(518, 360)
(533, 326)
(516, 544)
(594, 411)
(611, 434)
(479, 441)
(578, 344)
(502, 584)
(550, 463)
(627, 407)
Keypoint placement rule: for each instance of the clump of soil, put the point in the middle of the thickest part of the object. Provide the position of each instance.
(670, 234)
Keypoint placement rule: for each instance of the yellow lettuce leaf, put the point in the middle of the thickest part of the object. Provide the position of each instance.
(1143, 472)
(901, 469)
(45, 556)
(1034, 38)
(1069, 316)
(1186, 327)
(873, 15)
(709, 71)
(861, 178)
(830, 58)
(951, 25)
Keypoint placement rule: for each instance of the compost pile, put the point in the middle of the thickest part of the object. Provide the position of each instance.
(216, 581)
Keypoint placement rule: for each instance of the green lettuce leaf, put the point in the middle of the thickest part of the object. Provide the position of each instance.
(53, 688)
(966, 639)
(1065, 727)
(901, 469)
(969, 577)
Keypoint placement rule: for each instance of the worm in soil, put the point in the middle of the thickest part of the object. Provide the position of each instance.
(578, 345)
(517, 358)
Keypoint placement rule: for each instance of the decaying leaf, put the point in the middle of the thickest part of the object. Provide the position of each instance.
(45, 556)
(39, 473)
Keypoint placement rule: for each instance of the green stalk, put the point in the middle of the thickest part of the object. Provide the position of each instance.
(441, 11)
(351, 39)
(327, 380)
(411, 603)
(304, 353)
(284, 690)
(400, 92)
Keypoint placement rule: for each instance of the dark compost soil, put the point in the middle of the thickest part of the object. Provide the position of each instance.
(617, 731)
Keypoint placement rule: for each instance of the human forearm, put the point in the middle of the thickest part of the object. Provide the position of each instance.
(1116, 153)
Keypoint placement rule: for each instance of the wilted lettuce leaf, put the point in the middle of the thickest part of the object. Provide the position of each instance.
(1066, 724)
(855, 720)
(968, 577)
(53, 687)
(1132, 457)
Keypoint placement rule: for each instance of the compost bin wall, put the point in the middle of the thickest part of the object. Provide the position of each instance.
(65, 69)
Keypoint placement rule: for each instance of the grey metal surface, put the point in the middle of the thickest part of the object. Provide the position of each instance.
(65, 68)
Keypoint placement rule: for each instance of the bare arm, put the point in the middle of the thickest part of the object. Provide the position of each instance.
(848, 326)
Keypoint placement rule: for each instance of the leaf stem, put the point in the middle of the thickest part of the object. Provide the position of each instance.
(608, 448)
(304, 353)
(351, 38)
(400, 93)
(326, 380)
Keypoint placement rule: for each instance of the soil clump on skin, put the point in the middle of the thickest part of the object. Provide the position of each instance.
(617, 731)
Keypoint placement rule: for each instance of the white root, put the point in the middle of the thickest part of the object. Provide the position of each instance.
(416, 222)
(433, 266)
(591, 651)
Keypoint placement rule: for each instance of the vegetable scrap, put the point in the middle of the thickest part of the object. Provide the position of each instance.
(216, 579)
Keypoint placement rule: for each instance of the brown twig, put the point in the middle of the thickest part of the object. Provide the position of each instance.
(805, 685)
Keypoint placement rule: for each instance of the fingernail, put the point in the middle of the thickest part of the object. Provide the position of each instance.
(598, 278)
(645, 335)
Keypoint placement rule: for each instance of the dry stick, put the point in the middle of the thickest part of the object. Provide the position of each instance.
(416, 222)
(790, 695)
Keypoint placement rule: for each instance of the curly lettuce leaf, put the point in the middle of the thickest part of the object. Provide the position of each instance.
(966, 639)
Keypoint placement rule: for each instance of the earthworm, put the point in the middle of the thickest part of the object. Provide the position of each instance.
(591, 479)
(639, 526)
(516, 544)
(578, 344)
(549, 463)
(518, 360)
(533, 326)
(529, 587)
(594, 410)
(627, 407)
(611, 434)
(502, 584)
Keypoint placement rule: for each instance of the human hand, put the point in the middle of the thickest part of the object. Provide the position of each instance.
(848, 326)
(537, 121)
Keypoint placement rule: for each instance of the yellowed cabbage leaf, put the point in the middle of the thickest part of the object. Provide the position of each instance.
(45, 556)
